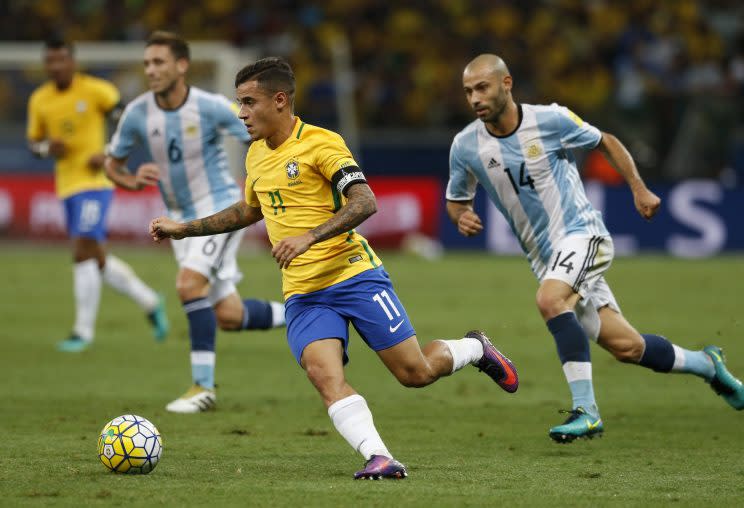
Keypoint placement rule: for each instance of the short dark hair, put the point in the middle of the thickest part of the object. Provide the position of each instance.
(178, 46)
(56, 42)
(273, 74)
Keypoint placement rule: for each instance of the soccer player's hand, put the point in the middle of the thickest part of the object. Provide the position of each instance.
(147, 174)
(57, 148)
(289, 248)
(163, 227)
(469, 223)
(647, 203)
(96, 161)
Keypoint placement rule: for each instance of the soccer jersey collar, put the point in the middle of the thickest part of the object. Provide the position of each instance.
(519, 124)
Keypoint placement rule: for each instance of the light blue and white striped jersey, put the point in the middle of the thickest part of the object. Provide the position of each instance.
(186, 144)
(531, 177)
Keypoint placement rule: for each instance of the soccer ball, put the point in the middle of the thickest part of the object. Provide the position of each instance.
(130, 444)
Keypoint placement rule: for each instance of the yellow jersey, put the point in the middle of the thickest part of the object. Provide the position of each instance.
(76, 116)
(298, 186)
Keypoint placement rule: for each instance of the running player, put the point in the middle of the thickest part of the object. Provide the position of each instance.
(67, 121)
(304, 181)
(180, 128)
(521, 155)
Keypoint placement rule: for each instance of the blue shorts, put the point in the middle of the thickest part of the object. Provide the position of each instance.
(367, 300)
(86, 214)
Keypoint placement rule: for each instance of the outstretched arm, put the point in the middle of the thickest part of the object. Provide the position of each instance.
(646, 202)
(462, 215)
(361, 204)
(116, 170)
(234, 217)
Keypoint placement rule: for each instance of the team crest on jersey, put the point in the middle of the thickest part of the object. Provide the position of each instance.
(81, 106)
(192, 130)
(534, 151)
(293, 169)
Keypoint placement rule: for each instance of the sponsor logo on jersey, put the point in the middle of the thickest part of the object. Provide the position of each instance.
(293, 169)
(354, 259)
(493, 163)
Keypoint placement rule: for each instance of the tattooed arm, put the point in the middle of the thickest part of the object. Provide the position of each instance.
(237, 216)
(361, 204)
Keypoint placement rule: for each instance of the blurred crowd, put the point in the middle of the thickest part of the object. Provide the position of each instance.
(645, 67)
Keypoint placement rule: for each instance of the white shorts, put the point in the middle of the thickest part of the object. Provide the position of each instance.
(580, 262)
(215, 258)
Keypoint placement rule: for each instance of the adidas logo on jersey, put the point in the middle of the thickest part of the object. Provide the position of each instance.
(493, 163)
(155, 132)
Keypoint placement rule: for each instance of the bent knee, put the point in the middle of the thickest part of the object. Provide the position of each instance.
(415, 377)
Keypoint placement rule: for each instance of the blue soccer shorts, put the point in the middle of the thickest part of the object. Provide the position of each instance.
(367, 301)
(85, 214)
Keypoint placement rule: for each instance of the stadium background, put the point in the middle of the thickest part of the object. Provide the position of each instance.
(665, 77)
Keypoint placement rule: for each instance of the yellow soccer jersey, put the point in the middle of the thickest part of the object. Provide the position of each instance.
(75, 115)
(299, 186)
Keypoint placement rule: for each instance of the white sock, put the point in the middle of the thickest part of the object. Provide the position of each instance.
(277, 314)
(122, 278)
(464, 352)
(353, 420)
(87, 283)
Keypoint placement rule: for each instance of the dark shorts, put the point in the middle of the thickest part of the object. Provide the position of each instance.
(367, 301)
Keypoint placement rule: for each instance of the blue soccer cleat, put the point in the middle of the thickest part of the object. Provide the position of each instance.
(497, 366)
(724, 383)
(579, 424)
(379, 467)
(73, 344)
(159, 320)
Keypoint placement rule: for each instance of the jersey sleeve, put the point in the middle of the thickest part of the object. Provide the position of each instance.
(35, 129)
(335, 162)
(127, 133)
(575, 132)
(226, 117)
(107, 95)
(462, 182)
(251, 198)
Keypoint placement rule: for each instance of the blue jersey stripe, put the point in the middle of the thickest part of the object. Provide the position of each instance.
(176, 167)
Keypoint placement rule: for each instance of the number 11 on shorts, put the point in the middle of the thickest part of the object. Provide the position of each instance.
(378, 298)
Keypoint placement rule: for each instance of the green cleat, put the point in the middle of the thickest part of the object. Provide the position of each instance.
(724, 383)
(579, 424)
(73, 344)
(159, 320)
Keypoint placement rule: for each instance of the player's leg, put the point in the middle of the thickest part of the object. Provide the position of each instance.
(309, 324)
(576, 264)
(86, 228)
(659, 354)
(122, 278)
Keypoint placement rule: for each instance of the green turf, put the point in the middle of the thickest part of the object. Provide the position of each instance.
(668, 438)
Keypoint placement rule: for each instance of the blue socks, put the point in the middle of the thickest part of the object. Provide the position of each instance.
(663, 356)
(203, 333)
(257, 315)
(572, 343)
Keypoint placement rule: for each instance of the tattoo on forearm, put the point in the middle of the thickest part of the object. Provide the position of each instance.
(360, 206)
(232, 218)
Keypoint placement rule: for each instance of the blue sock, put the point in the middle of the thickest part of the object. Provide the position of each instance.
(659, 353)
(257, 315)
(203, 334)
(663, 356)
(572, 343)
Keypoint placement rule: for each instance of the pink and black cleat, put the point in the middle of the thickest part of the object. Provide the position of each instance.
(379, 467)
(497, 366)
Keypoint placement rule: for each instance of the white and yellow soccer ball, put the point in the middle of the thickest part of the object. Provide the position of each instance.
(130, 444)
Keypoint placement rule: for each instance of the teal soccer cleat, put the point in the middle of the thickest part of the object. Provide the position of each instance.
(724, 383)
(579, 424)
(73, 344)
(159, 320)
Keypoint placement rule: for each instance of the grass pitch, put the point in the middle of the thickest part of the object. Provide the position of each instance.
(668, 438)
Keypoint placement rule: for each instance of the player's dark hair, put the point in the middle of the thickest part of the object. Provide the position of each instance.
(273, 74)
(178, 46)
(58, 43)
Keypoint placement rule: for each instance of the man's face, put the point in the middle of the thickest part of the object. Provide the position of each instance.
(162, 69)
(59, 65)
(486, 92)
(259, 109)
